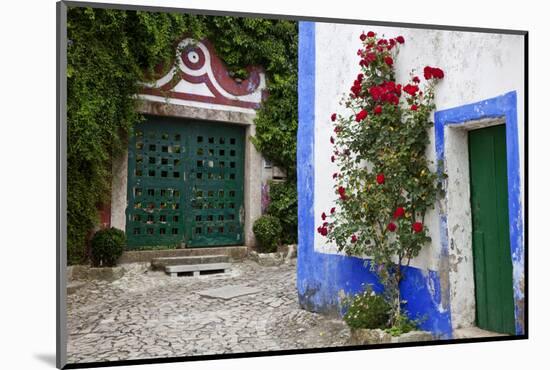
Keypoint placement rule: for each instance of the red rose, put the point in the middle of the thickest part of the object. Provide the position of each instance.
(414, 107)
(382, 42)
(322, 230)
(331, 140)
(400, 39)
(342, 192)
(392, 42)
(363, 37)
(399, 212)
(392, 227)
(411, 89)
(369, 58)
(398, 88)
(380, 178)
(332, 210)
(428, 72)
(361, 115)
(323, 216)
(356, 88)
(377, 109)
(417, 227)
(335, 175)
(333, 117)
(370, 34)
(353, 238)
(437, 73)
(332, 158)
(416, 80)
(388, 61)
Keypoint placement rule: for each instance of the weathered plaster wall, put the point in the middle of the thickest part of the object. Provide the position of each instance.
(252, 186)
(119, 190)
(477, 66)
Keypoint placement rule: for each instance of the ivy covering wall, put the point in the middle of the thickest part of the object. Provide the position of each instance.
(109, 51)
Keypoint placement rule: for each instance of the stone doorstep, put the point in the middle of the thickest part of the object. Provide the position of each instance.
(475, 332)
(196, 269)
(233, 252)
(379, 336)
(161, 262)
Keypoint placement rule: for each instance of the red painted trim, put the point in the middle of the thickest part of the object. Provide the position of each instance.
(200, 98)
(246, 87)
(222, 76)
(198, 64)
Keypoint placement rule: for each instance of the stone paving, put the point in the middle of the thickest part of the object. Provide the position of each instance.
(147, 314)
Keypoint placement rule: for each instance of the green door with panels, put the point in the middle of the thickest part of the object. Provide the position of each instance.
(185, 184)
(491, 240)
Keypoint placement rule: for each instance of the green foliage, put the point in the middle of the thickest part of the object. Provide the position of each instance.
(283, 204)
(267, 230)
(367, 310)
(107, 246)
(109, 51)
(272, 44)
(402, 324)
(384, 183)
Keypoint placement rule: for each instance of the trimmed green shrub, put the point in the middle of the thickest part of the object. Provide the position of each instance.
(367, 310)
(107, 246)
(283, 204)
(267, 230)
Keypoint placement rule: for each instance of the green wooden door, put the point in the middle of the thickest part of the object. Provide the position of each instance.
(491, 240)
(185, 184)
(215, 212)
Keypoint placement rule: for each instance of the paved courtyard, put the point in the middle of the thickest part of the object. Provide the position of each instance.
(147, 314)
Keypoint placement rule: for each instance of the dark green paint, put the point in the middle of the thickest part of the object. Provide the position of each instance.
(491, 240)
(185, 184)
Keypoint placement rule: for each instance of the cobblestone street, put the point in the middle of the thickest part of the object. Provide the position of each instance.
(147, 314)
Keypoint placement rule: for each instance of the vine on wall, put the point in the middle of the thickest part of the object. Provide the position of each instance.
(384, 183)
(109, 51)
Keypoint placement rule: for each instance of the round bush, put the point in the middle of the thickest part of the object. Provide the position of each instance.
(367, 310)
(107, 246)
(268, 232)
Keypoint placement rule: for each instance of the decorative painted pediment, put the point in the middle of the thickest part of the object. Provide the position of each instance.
(199, 78)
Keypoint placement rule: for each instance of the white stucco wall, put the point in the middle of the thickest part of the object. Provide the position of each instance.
(477, 66)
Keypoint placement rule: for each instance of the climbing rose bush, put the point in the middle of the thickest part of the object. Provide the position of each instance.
(384, 185)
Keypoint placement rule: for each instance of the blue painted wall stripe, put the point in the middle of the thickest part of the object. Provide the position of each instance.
(501, 106)
(321, 277)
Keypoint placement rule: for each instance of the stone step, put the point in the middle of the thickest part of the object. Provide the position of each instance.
(161, 262)
(235, 253)
(474, 332)
(196, 270)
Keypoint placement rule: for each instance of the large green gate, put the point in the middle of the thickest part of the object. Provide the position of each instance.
(185, 184)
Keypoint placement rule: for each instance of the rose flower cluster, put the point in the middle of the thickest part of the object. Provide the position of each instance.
(377, 59)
